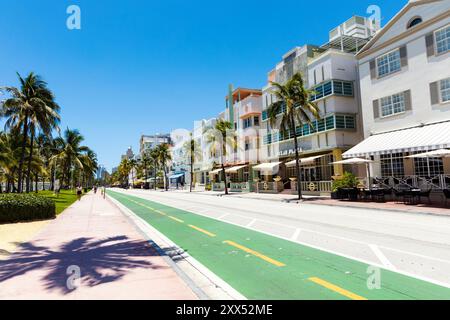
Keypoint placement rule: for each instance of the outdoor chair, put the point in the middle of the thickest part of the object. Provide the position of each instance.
(447, 195)
(399, 194)
(425, 194)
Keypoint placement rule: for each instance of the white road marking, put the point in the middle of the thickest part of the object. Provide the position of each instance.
(251, 223)
(223, 216)
(380, 255)
(296, 234)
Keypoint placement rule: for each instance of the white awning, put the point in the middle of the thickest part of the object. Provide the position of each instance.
(352, 161)
(234, 169)
(303, 161)
(217, 171)
(267, 166)
(426, 137)
(440, 153)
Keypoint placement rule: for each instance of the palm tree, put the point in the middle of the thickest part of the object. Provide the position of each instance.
(218, 138)
(124, 171)
(133, 166)
(154, 155)
(145, 163)
(70, 153)
(90, 166)
(34, 102)
(294, 104)
(164, 156)
(192, 149)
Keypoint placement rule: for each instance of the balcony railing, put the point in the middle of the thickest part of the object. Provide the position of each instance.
(331, 122)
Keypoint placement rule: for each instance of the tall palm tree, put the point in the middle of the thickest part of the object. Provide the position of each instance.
(154, 155)
(294, 105)
(164, 157)
(90, 166)
(192, 150)
(218, 138)
(145, 163)
(133, 166)
(124, 171)
(70, 153)
(25, 103)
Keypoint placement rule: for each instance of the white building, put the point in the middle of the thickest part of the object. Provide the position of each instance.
(205, 164)
(405, 92)
(330, 71)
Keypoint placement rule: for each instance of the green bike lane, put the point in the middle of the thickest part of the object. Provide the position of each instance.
(261, 266)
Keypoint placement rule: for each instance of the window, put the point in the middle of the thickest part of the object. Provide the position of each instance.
(256, 121)
(392, 165)
(428, 167)
(247, 145)
(442, 40)
(444, 86)
(392, 105)
(414, 21)
(247, 123)
(389, 63)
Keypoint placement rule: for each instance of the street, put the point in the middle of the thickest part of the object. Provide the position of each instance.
(274, 250)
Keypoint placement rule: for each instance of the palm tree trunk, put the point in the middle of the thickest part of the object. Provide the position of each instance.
(192, 172)
(30, 157)
(154, 182)
(297, 159)
(22, 154)
(224, 176)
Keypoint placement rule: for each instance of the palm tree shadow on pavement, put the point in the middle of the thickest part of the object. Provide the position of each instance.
(100, 261)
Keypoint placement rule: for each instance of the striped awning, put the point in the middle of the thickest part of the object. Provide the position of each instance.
(217, 171)
(420, 138)
(267, 166)
(303, 161)
(234, 169)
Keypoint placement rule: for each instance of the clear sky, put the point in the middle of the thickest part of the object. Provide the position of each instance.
(150, 66)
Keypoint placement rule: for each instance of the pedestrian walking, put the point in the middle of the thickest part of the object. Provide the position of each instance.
(79, 192)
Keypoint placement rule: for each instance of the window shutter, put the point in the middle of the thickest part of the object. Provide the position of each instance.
(403, 56)
(408, 104)
(376, 109)
(434, 92)
(429, 41)
(373, 71)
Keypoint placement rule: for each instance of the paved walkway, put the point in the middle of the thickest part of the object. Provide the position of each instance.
(283, 197)
(96, 239)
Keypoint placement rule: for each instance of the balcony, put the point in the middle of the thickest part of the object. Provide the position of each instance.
(251, 105)
(331, 122)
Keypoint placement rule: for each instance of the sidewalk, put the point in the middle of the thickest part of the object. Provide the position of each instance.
(327, 201)
(94, 237)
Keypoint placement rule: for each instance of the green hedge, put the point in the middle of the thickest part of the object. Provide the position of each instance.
(25, 207)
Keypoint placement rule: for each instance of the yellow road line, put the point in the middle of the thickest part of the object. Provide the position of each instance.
(160, 212)
(255, 253)
(335, 288)
(176, 219)
(202, 230)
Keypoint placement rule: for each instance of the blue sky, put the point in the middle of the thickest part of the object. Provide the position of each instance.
(149, 66)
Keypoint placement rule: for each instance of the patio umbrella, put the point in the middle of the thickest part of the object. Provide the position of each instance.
(357, 161)
(440, 153)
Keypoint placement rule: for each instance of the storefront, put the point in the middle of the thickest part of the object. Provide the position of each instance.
(393, 154)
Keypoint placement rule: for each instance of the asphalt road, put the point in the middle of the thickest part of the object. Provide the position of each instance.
(408, 244)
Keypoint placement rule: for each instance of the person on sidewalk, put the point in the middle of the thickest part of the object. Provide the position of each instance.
(79, 192)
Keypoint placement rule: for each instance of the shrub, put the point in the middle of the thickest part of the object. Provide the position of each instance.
(25, 207)
(348, 180)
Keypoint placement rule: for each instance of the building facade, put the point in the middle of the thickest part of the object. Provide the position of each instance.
(405, 92)
(148, 142)
(330, 71)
